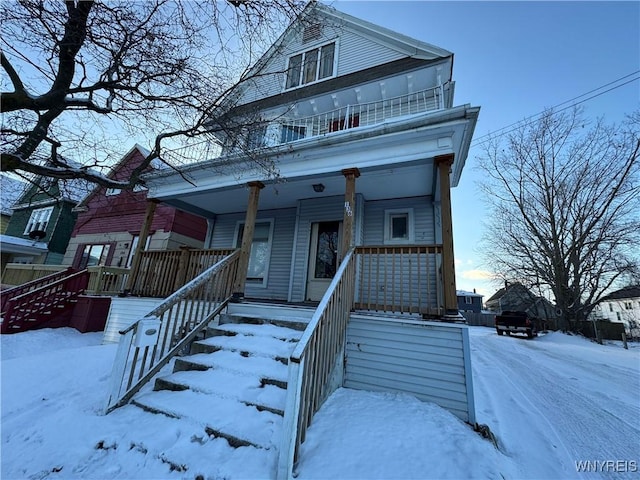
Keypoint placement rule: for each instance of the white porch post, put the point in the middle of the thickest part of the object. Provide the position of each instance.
(247, 239)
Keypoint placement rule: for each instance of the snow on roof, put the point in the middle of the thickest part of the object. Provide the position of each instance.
(464, 293)
(10, 191)
(21, 245)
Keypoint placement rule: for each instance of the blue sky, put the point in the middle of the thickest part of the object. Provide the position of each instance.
(514, 59)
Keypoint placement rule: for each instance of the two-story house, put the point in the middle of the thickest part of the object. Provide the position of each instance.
(43, 217)
(622, 306)
(109, 221)
(469, 301)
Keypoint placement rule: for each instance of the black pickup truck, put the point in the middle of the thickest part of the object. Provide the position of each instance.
(516, 322)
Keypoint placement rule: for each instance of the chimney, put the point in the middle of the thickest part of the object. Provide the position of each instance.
(474, 290)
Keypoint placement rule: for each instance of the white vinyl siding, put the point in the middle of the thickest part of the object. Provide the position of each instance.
(125, 311)
(354, 52)
(277, 285)
(428, 360)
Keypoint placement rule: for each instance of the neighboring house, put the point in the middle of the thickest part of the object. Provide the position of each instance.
(109, 221)
(622, 306)
(43, 217)
(361, 124)
(10, 191)
(469, 301)
(516, 297)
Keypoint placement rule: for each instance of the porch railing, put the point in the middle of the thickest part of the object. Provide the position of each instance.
(357, 115)
(148, 344)
(312, 365)
(399, 279)
(107, 280)
(160, 273)
(40, 281)
(34, 307)
(21, 273)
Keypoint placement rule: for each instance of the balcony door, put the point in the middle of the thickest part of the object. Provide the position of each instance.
(323, 258)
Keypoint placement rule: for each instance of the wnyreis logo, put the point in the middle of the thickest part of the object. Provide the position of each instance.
(610, 466)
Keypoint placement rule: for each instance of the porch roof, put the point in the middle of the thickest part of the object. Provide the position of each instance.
(395, 159)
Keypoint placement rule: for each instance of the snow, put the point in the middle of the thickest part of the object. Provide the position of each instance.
(550, 402)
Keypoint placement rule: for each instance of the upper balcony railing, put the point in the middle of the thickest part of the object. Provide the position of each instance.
(285, 129)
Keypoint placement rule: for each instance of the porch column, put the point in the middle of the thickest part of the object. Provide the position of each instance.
(247, 239)
(349, 209)
(142, 241)
(443, 163)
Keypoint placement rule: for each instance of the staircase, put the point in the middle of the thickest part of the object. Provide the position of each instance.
(233, 382)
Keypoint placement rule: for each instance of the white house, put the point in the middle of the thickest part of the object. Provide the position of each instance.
(352, 239)
(622, 306)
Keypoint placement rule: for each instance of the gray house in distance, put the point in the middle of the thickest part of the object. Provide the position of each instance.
(469, 301)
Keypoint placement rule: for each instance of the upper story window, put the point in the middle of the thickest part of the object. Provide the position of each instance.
(39, 220)
(112, 191)
(468, 300)
(311, 66)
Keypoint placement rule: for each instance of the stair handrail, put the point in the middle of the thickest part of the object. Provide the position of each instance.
(12, 292)
(171, 326)
(312, 363)
(43, 298)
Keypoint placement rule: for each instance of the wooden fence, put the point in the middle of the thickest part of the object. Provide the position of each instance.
(160, 273)
(399, 279)
(21, 273)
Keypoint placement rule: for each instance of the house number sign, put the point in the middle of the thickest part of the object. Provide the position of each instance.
(347, 208)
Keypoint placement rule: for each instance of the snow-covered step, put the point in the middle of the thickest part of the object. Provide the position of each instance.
(297, 323)
(248, 344)
(249, 389)
(264, 330)
(235, 362)
(240, 424)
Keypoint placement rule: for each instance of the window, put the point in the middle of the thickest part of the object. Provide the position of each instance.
(260, 250)
(611, 307)
(94, 255)
(112, 191)
(310, 66)
(468, 300)
(398, 226)
(291, 133)
(39, 220)
(618, 315)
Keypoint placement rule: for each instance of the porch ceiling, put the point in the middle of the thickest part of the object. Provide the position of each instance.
(414, 179)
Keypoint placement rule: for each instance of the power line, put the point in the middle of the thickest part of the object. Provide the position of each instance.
(500, 132)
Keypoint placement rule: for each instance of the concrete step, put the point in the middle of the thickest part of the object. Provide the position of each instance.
(296, 323)
(253, 390)
(247, 345)
(240, 424)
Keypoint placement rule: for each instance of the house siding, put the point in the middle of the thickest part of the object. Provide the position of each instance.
(325, 209)
(125, 311)
(355, 53)
(277, 286)
(424, 359)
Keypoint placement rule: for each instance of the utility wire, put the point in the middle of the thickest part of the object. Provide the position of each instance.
(500, 132)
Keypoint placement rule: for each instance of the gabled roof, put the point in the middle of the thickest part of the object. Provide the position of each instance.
(464, 293)
(632, 291)
(409, 46)
(136, 148)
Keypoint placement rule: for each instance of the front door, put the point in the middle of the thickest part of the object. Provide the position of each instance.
(323, 258)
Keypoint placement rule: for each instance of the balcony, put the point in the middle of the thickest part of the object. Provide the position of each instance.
(284, 128)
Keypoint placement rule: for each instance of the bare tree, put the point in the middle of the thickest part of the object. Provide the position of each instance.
(83, 77)
(565, 207)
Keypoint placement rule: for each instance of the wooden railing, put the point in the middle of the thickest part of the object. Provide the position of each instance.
(107, 280)
(32, 308)
(399, 279)
(160, 273)
(5, 295)
(312, 365)
(21, 273)
(147, 345)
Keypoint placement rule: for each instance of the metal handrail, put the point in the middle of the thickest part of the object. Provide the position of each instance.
(313, 362)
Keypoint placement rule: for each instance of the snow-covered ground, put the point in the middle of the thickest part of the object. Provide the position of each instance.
(552, 403)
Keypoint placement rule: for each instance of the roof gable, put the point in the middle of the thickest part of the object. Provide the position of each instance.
(360, 45)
